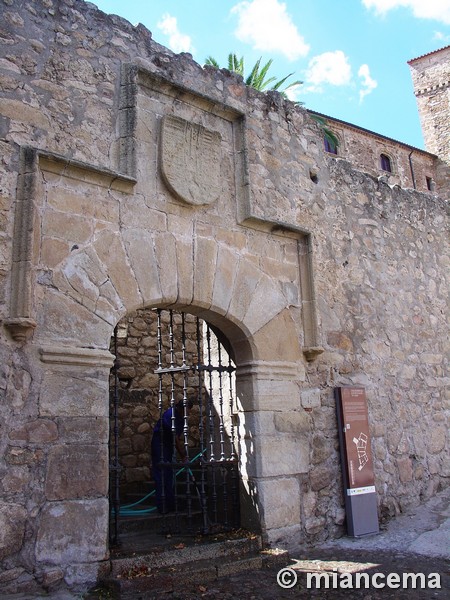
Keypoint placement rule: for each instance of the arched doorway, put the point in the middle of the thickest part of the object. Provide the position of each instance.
(174, 381)
(234, 295)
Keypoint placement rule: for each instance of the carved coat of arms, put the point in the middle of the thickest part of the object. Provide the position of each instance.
(190, 160)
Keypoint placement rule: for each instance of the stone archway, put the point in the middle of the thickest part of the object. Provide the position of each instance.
(90, 291)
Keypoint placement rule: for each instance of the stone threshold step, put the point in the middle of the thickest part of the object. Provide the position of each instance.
(184, 554)
(167, 579)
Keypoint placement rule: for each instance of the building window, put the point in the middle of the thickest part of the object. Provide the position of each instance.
(330, 145)
(430, 184)
(386, 164)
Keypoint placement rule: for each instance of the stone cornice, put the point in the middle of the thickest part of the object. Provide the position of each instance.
(75, 169)
(432, 88)
(82, 357)
(269, 369)
(20, 328)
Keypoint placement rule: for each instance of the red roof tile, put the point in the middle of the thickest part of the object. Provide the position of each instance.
(428, 54)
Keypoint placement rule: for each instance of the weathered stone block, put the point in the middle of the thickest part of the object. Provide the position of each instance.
(185, 265)
(284, 454)
(10, 575)
(12, 528)
(284, 347)
(267, 394)
(322, 448)
(138, 474)
(266, 302)
(437, 439)
(227, 261)
(54, 251)
(245, 282)
(405, 471)
(308, 503)
(205, 260)
(128, 461)
(52, 577)
(322, 477)
(139, 442)
(23, 456)
(256, 423)
(337, 339)
(65, 320)
(144, 428)
(16, 479)
(289, 537)
(378, 253)
(292, 422)
(39, 431)
(166, 261)
(314, 525)
(280, 501)
(77, 472)
(63, 394)
(89, 203)
(19, 111)
(73, 532)
(139, 245)
(83, 430)
(74, 228)
(111, 251)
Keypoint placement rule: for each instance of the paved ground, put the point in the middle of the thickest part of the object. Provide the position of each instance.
(416, 543)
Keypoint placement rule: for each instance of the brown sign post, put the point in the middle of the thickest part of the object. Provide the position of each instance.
(356, 460)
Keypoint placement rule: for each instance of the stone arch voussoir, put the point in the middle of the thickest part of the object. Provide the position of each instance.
(96, 285)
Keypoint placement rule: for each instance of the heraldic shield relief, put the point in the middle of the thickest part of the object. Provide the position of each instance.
(190, 160)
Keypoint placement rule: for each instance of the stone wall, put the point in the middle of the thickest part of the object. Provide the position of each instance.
(318, 273)
(411, 168)
(431, 79)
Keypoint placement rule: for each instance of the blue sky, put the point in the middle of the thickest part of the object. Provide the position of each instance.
(350, 54)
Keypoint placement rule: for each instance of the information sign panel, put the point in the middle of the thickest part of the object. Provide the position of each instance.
(356, 459)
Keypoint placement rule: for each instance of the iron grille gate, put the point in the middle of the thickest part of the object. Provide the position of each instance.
(201, 491)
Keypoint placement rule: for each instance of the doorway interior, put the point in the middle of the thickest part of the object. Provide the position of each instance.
(174, 373)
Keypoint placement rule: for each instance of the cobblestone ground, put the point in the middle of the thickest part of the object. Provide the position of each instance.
(262, 585)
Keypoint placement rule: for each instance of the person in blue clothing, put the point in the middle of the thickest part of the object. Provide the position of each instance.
(163, 450)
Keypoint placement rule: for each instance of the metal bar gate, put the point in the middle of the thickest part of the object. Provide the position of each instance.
(194, 455)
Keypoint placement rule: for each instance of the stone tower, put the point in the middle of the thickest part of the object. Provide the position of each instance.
(431, 80)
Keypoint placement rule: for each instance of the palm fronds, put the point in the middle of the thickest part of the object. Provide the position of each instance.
(258, 79)
(258, 75)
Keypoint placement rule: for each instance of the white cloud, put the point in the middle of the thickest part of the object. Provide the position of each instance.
(268, 27)
(441, 37)
(295, 93)
(368, 84)
(330, 67)
(178, 42)
(439, 10)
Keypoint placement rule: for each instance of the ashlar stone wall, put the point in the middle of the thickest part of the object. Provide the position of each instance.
(133, 178)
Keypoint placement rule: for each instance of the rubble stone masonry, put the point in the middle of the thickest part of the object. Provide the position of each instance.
(318, 271)
(431, 80)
